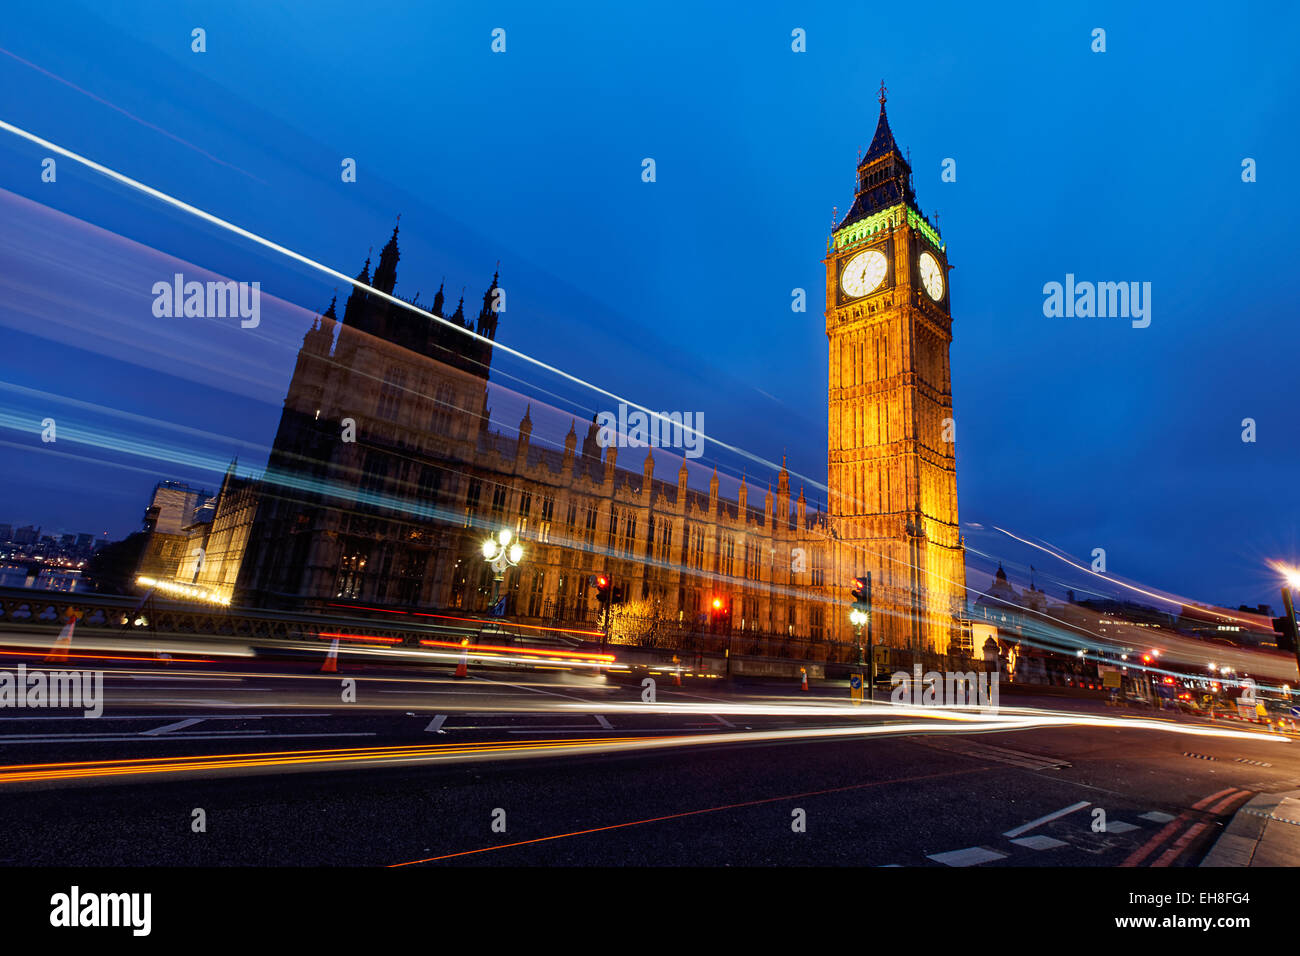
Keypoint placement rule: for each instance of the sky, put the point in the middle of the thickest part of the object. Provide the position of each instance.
(1123, 165)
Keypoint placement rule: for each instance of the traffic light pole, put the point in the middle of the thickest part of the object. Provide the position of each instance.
(871, 657)
(609, 608)
(1289, 607)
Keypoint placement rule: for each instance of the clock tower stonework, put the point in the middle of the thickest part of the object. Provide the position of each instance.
(892, 456)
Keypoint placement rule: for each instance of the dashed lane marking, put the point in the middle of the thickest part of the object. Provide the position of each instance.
(1039, 842)
(179, 725)
(1055, 815)
(971, 856)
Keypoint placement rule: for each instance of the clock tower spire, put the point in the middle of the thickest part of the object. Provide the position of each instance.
(891, 460)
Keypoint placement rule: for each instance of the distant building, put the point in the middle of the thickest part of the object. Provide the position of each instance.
(169, 519)
(1249, 627)
(171, 509)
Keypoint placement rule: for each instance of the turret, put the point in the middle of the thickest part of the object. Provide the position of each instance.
(525, 434)
(386, 272)
(487, 317)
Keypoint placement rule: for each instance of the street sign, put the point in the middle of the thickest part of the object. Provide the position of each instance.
(1111, 678)
(855, 687)
(1295, 711)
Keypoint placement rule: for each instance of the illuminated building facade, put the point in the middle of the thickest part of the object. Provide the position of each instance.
(385, 475)
(891, 464)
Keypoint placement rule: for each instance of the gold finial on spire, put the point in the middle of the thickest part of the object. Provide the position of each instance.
(882, 92)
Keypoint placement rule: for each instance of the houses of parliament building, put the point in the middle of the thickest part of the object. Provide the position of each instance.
(396, 516)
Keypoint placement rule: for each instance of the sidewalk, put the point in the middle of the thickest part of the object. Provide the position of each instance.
(1265, 832)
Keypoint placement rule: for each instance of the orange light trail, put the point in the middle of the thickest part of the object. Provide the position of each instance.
(360, 637)
(573, 655)
(108, 657)
(16, 773)
(466, 620)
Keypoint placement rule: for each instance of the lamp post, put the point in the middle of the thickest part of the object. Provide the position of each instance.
(859, 620)
(501, 555)
(860, 615)
(1292, 576)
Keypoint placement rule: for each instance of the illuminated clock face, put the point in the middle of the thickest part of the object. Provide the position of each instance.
(864, 273)
(931, 276)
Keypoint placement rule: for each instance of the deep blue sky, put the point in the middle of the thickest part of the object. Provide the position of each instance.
(1116, 166)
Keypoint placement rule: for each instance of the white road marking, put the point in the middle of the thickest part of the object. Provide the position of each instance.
(551, 693)
(603, 721)
(179, 725)
(1039, 842)
(1155, 816)
(1046, 819)
(1119, 826)
(722, 720)
(971, 856)
(435, 725)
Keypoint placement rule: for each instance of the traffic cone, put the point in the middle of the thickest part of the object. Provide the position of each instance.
(331, 665)
(462, 666)
(804, 672)
(677, 672)
(63, 644)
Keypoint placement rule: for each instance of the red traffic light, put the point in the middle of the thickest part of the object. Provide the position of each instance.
(602, 582)
(717, 604)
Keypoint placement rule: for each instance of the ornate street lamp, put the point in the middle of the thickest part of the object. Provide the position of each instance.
(859, 620)
(501, 555)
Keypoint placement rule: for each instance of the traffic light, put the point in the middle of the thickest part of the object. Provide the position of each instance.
(603, 590)
(861, 592)
(617, 594)
(1286, 633)
(720, 614)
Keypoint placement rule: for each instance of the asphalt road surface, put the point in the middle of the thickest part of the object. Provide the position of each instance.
(556, 767)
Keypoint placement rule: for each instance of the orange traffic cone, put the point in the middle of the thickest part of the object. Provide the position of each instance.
(331, 665)
(804, 672)
(462, 666)
(677, 672)
(63, 644)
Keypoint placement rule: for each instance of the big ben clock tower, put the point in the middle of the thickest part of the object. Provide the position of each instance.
(892, 463)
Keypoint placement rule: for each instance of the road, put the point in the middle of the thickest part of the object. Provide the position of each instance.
(561, 767)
